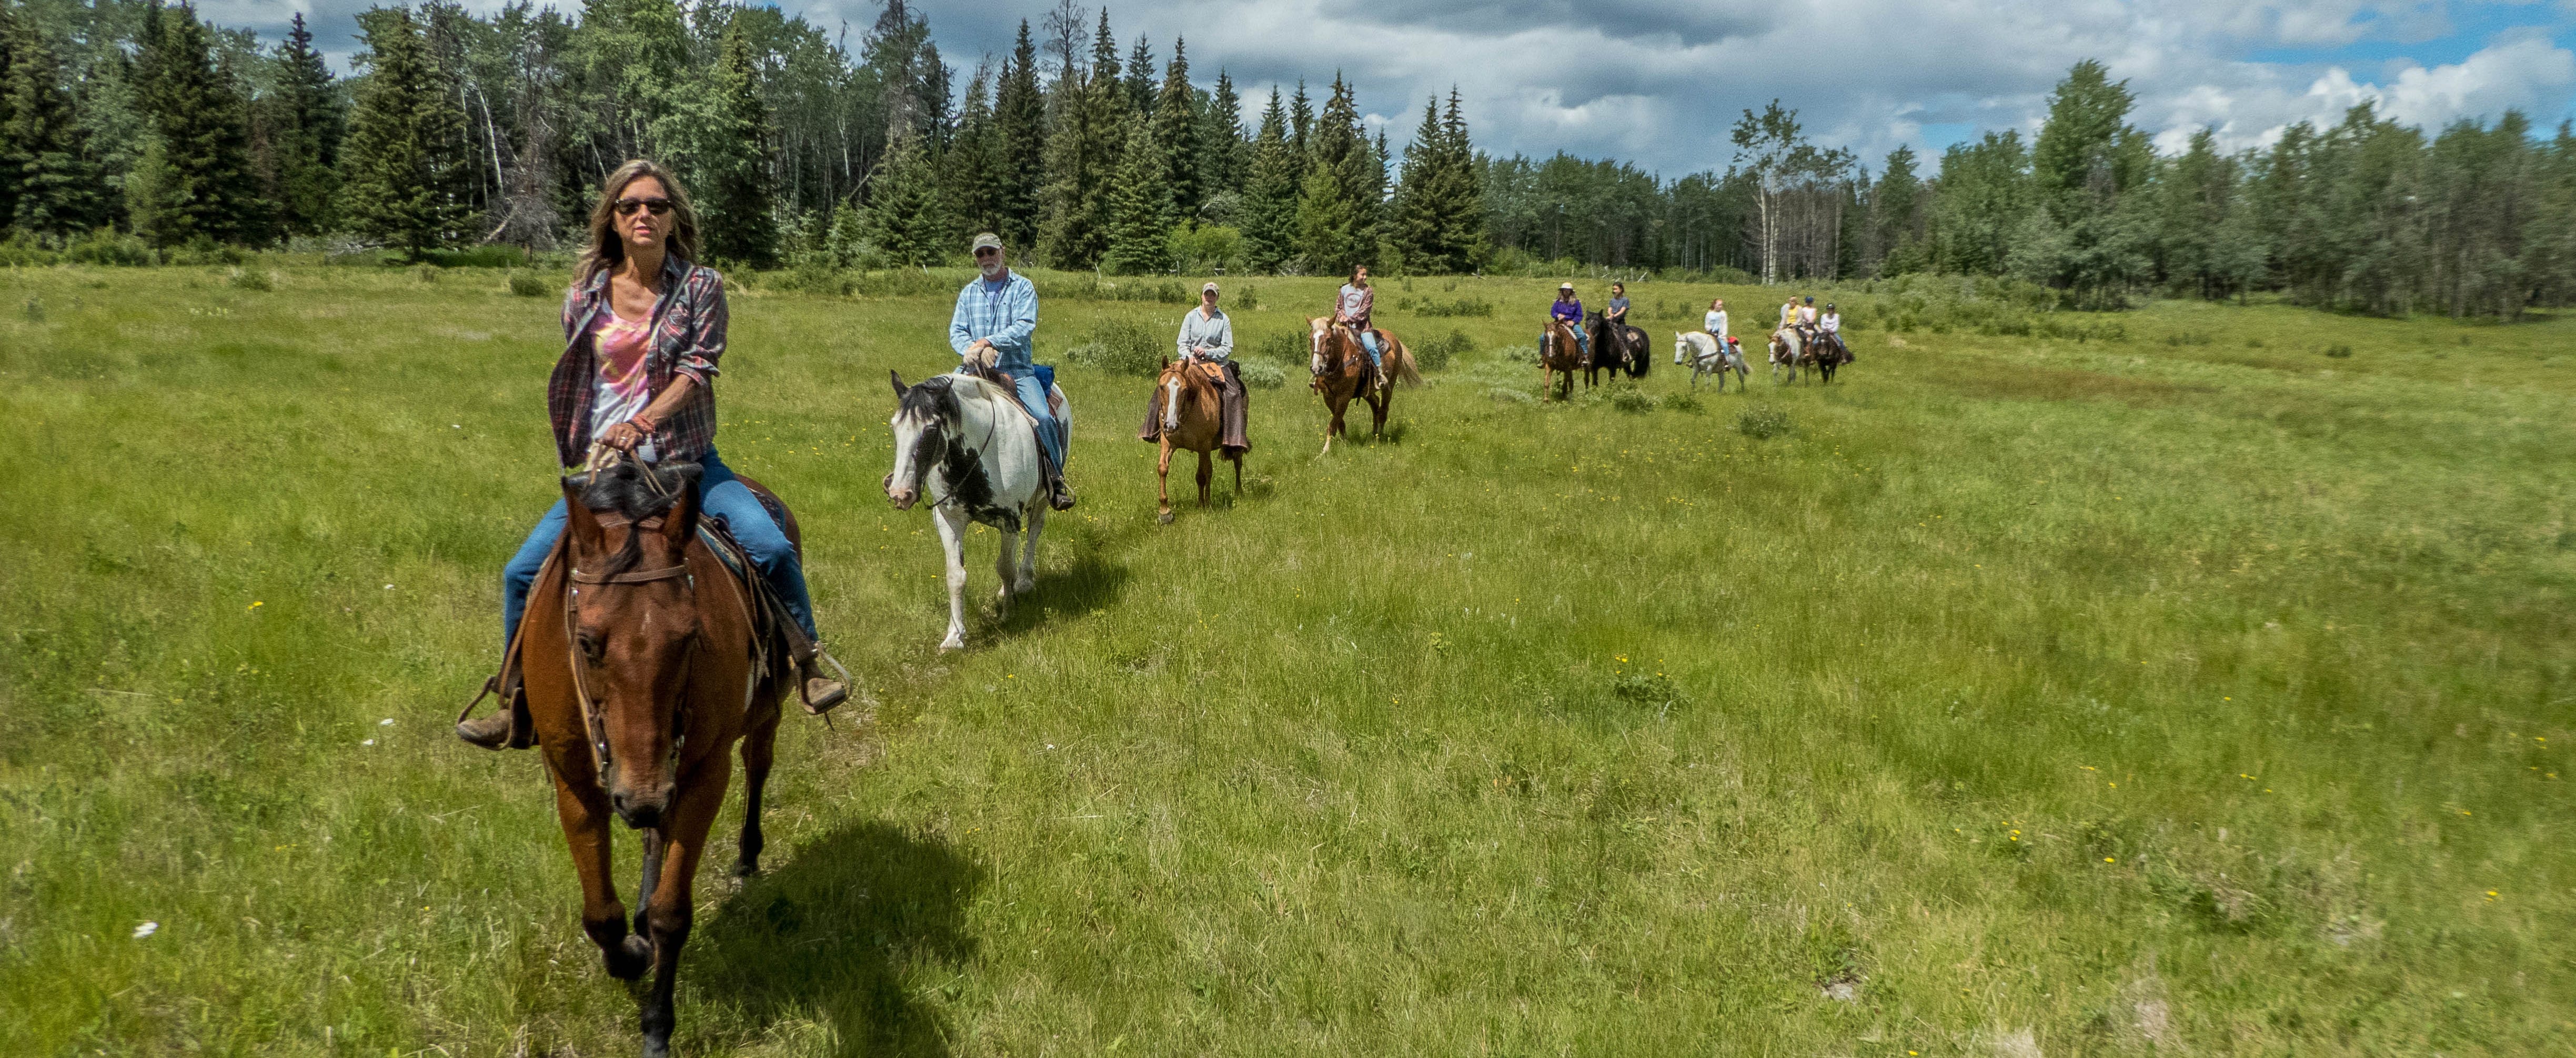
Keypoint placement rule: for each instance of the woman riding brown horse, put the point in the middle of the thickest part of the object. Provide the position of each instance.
(645, 661)
(1341, 371)
(1560, 354)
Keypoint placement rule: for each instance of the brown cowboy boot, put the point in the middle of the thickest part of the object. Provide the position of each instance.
(820, 692)
(510, 728)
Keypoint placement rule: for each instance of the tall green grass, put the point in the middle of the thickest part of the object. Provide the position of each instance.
(2109, 696)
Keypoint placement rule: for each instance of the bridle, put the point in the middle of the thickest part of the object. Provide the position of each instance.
(594, 723)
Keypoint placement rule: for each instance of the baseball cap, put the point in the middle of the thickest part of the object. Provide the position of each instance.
(984, 240)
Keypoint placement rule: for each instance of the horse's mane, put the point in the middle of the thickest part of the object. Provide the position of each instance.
(634, 491)
(934, 398)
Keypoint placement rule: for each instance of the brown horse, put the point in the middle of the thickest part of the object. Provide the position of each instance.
(645, 662)
(1191, 409)
(1560, 353)
(1341, 371)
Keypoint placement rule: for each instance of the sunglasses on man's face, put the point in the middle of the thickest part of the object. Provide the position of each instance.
(626, 207)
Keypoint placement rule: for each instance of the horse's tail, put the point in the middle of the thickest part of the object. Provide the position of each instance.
(1400, 361)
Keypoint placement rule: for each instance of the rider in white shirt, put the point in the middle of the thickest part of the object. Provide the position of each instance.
(1716, 325)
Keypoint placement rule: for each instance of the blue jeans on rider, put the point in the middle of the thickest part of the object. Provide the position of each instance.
(720, 495)
(1368, 341)
(1033, 396)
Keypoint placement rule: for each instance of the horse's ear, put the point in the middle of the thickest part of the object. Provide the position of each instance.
(1167, 363)
(578, 520)
(899, 387)
(680, 522)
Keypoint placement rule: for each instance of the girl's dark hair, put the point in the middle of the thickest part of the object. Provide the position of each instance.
(606, 250)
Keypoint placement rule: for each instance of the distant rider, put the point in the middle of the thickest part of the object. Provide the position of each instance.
(1351, 309)
(1207, 337)
(997, 315)
(1715, 321)
(1830, 326)
(1568, 310)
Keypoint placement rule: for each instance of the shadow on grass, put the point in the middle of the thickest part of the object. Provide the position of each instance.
(830, 935)
(1092, 582)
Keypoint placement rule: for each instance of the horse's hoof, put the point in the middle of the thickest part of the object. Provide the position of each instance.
(951, 644)
(745, 868)
(630, 958)
(1164, 518)
(654, 1048)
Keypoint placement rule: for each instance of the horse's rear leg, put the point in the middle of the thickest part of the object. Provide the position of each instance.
(1006, 570)
(1237, 459)
(670, 910)
(759, 751)
(1034, 522)
(1377, 413)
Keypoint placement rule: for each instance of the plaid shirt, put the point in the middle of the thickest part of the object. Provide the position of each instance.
(688, 338)
(1006, 316)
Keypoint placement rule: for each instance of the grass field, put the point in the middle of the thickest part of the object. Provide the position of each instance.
(2201, 692)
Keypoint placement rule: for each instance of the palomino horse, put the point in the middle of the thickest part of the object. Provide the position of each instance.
(1192, 421)
(966, 443)
(1340, 366)
(1560, 353)
(1788, 349)
(1709, 356)
(644, 665)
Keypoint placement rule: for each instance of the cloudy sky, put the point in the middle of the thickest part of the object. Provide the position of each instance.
(1659, 81)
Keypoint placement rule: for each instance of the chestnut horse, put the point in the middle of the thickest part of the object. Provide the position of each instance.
(1341, 370)
(1192, 421)
(645, 662)
(1559, 352)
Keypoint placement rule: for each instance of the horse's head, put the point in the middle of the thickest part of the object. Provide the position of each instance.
(925, 418)
(634, 623)
(1174, 380)
(1320, 334)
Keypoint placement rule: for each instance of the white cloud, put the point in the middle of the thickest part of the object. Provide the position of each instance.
(1659, 81)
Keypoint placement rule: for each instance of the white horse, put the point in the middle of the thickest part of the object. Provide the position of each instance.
(1788, 349)
(968, 445)
(1708, 356)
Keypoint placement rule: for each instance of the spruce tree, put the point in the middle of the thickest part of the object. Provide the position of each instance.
(1140, 211)
(735, 176)
(1221, 169)
(1336, 211)
(404, 180)
(1175, 129)
(308, 139)
(971, 167)
(1140, 79)
(1019, 145)
(1301, 122)
(1418, 229)
(200, 181)
(48, 184)
(1896, 216)
(1461, 189)
(907, 224)
(1083, 152)
(1269, 214)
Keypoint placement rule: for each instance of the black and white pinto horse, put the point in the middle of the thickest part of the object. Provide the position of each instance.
(1708, 356)
(1789, 350)
(968, 445)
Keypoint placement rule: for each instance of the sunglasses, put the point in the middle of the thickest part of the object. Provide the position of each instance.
(626, 207)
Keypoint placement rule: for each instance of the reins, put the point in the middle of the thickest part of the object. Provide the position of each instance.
(594, 723)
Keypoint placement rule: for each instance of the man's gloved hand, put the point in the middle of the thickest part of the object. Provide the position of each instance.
(982, 356)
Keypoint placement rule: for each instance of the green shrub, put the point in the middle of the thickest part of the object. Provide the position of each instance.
(1436, 354)
(1762, 423)
(1683, 402)
(1258, 374)
(1282, 347)
(1509, 395)
(34, 310)
(1247, 299)
(527, 285)
(2338, 351)
(1631, 399)
(1120, 346)
(1437, 307)
(477, 257)
(1519, 354)
(249, 279)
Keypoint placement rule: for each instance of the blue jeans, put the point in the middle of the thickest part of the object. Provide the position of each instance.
(1033, 396)
(720, 495)
(1368, 341)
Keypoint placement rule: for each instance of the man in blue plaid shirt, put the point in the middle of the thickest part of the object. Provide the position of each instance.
(997, 315)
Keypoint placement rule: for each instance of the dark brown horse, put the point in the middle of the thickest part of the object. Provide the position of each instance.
(1616, 347)
(645, 663)
(1341, 371)
(1190, 404)
(1560, 353)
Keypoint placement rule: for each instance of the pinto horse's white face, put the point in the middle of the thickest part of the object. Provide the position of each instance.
(1315, 341)
(920, 439)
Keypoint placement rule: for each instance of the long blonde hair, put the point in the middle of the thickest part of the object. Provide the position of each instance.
(606, 250)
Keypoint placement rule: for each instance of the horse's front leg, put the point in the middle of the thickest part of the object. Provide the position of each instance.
(1163, 479)
(952, 541)
(1207, 474)
(671, 907)
(585, 815)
